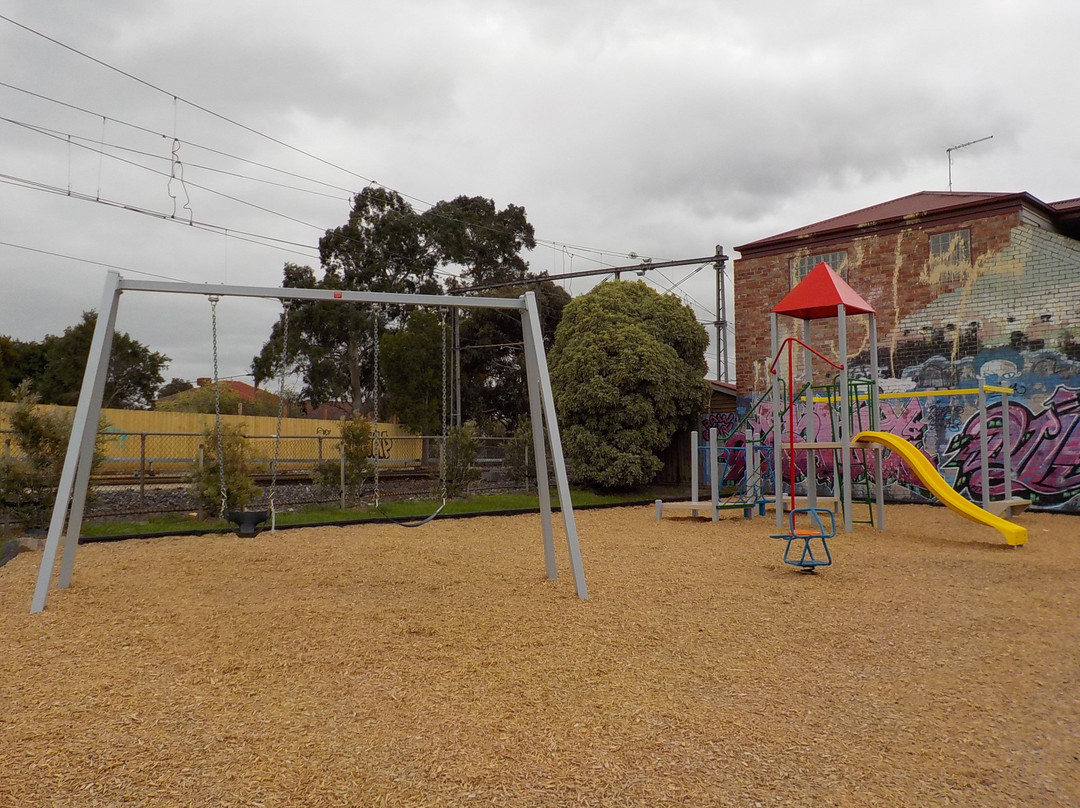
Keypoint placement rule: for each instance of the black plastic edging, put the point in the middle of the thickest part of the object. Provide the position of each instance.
(375, 520)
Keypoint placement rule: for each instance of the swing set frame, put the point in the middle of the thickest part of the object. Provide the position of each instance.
(67, 514)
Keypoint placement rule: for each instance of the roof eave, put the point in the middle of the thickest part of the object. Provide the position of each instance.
(788, 243)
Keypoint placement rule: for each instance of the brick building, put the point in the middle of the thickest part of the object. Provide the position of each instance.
(964, 285)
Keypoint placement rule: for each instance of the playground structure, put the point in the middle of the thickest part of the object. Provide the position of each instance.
(823, 295)
(66, 521)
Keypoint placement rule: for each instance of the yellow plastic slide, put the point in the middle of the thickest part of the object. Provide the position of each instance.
(936, 484)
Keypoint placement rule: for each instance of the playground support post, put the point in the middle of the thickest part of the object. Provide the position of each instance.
(809, 423)
(875, 420)
(1006, 446)
(752, 489)
(845, 412)
(695, 461)
(75, 477)
(984, 446)
(714, 474)
(778, 449)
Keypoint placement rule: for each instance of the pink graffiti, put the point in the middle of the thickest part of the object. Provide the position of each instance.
(1044, 452)
(905, 422)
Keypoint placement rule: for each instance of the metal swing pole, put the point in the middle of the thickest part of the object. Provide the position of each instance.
(75, 477)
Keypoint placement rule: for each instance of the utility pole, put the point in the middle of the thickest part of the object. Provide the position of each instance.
(720, 262)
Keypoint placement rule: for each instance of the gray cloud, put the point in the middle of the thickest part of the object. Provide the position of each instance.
(657, 127)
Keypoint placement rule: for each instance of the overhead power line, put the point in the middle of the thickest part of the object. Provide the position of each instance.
(233, 122)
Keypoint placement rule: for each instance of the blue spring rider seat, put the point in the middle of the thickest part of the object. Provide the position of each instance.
(802, 538)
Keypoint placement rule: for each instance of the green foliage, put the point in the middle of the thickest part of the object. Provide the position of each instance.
(385, 246)
(410, 367)
(134, 373)
(28, 484)
(206, 480)
(8, 357)
(520, 459)
(201, 399)
(359, 463)
(462, 448)
(470, 232)
(493, 360)
(174, 386)
(627, 371)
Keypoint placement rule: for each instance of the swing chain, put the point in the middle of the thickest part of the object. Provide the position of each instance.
(286, 304)
(375, 404)
(223, 488)
(445, 414)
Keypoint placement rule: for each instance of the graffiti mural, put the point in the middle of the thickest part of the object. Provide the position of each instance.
(1044, 451)
(1044, 447)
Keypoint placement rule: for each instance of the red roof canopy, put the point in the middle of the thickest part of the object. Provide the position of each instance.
(818, 294)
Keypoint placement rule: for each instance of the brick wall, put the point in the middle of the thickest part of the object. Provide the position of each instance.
(1011, 314)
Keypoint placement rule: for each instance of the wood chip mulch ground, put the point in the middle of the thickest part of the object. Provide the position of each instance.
(930, 665)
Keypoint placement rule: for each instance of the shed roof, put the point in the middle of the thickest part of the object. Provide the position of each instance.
(817, 295)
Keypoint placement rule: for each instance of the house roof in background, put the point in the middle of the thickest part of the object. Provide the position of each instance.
(897, 211)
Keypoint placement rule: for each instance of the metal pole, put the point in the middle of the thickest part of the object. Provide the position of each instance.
(694, 462)
(845, 413)
(984, 446)
(457, 370)
(714, 474)
(721, 316)
(540, 391)
(778, 448)
(1006, 447)
(809, 421)
(80, 450)
(875, 421)
(142, 470)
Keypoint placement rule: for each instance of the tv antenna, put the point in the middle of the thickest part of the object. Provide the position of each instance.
(951, 149)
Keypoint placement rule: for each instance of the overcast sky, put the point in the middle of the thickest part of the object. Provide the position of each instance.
(623, 127)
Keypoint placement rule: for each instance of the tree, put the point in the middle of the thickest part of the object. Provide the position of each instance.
(628, 370)
(470, 232)
(29, 481)
(385, 246)
(410, 367)
(202, 399)
(134, 372)
(381, 248)
(493, 358)
(175, 386)
(8, 356)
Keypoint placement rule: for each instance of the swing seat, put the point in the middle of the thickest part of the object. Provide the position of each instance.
(805, 560)
(247, 522)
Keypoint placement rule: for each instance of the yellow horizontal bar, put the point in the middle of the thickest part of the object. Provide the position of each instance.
(973, 391)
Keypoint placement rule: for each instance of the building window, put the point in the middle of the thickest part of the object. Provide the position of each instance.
(800, 267)
(951, 249)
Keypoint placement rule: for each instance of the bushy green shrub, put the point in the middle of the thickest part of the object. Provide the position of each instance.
(240, 489)
(520, 460)
(359, 463)
(29, 480)
(462, 447)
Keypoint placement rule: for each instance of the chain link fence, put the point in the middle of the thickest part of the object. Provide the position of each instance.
(150, 472)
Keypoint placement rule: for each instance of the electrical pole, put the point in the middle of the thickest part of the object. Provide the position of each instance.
(720, 262)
